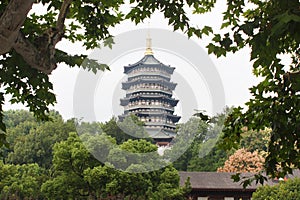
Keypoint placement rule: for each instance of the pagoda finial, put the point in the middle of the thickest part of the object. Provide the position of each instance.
(148, 43)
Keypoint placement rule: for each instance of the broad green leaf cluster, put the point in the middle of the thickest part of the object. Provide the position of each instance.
(271, 29)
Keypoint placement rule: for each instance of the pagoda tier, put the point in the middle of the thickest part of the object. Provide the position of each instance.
(149, 111)
(148, 83)
(144, 90)
(173, 118)
(149, 97)
(137, 108)
(153, 99)
(154, 76)
(150, 93)
(154, 115)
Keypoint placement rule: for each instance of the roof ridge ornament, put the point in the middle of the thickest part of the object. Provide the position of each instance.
(148, 43)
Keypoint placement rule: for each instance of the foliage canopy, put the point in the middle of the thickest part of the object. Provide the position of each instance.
(286, 190)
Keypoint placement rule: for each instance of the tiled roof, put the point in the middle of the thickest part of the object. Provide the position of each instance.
(148, 60)
(221, 180)
(162, 134)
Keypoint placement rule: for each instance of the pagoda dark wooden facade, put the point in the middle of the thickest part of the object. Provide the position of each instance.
(149, 96)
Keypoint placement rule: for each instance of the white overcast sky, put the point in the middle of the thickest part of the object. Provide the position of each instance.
(235, 70)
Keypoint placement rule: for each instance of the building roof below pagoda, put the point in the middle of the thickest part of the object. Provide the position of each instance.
(160, 133)
(148, 60)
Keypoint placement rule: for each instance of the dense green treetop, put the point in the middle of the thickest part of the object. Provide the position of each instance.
(77, 174)
(288, 190)
(21, 181)
(32, 141)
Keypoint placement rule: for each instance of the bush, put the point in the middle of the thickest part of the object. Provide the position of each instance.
(289, 190)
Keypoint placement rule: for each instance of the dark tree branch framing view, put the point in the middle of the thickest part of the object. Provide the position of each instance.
(271, 29)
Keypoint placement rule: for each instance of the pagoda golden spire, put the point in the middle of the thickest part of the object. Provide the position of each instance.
(148, 44)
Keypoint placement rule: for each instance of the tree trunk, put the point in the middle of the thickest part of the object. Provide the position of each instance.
(11, 21)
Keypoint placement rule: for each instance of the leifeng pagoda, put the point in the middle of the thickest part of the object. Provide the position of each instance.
(149, 96)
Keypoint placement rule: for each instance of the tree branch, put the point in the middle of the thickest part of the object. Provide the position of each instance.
(11, 21)
(35, 57)
(40, 54)
(60, 24)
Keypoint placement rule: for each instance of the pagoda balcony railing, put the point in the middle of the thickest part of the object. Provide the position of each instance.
(148, 89)
(148, 106)
(160, 124)
(138, 73)
(155, 77)
(161, 127)
(153, 112)
(148, 95)
(170, 130)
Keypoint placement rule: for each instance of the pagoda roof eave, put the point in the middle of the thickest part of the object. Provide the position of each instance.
(161, 76)
(143, 96)
(148, 60)
(163, 135)
(170, 85)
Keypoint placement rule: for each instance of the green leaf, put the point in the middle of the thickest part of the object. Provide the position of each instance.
(236, 177)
